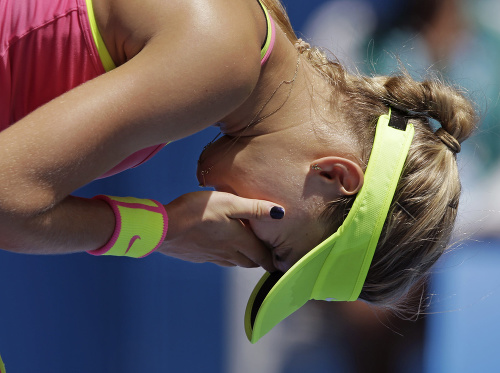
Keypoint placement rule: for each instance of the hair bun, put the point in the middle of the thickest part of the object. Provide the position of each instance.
(448, 140)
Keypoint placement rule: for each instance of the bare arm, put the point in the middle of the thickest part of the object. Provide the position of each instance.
(172, 88)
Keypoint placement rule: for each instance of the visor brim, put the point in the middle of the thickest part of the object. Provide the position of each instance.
(278, 295)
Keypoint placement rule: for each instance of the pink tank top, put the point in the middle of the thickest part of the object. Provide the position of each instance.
(49, 47)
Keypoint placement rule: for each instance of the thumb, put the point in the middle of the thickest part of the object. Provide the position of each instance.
(254, 209)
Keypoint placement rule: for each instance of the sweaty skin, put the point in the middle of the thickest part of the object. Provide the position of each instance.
(179, 70)
(173, 60)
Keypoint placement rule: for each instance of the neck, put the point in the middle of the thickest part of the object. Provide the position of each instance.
(273, 94)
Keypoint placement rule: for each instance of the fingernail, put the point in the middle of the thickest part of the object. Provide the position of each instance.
(277, 212)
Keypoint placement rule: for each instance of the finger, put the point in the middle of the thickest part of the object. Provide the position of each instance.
(223, 263)
(244, 208)
(241, 260)
(246, 263)
(260, 255)
(254, 251)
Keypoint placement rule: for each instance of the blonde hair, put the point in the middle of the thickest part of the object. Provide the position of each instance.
(424, 208)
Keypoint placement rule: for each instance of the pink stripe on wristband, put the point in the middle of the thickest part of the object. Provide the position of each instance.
(118, 227)
(136, 227)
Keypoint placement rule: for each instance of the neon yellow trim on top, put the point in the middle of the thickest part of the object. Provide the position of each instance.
(264, 49)
(104, 55)
(108, 62)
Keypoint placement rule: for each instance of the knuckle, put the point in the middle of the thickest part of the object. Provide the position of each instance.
(249, 264)
(223, 263)
(258, 210)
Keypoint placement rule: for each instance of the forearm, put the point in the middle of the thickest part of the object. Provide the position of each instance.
(200, 227)
(73, 225)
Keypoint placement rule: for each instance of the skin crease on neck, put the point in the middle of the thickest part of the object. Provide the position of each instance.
(273, 157)
(122, 44)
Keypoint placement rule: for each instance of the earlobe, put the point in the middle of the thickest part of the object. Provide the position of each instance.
(342, 173)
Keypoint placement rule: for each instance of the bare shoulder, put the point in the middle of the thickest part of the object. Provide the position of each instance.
(182, 65)
(127, 26)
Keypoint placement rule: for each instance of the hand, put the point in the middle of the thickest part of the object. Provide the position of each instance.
(210, 227)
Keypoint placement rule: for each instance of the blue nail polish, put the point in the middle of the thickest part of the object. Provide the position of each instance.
(277, 212)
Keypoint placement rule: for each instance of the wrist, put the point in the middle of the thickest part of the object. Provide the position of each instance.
(140, 227)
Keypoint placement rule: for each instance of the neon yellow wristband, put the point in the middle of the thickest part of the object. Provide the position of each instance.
(141, 226)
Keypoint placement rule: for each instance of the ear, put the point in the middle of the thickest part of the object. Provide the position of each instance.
(340, 173)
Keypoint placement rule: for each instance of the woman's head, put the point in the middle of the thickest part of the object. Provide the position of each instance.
(424, 208)
(289, 167)
(277, 166)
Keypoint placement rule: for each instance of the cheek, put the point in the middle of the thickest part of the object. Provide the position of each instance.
(266, 178)
(291, 231)
(268, 232)
(248, 175)
(294, 240)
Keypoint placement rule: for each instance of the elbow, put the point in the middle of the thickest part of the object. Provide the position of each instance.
(20, 215)
(21, 204)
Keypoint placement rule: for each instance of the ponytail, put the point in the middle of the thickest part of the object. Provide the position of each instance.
(424, 208)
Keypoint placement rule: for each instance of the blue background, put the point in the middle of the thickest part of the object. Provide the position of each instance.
(79, 313)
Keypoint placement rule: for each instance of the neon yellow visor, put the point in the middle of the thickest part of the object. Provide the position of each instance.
(336, 269)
